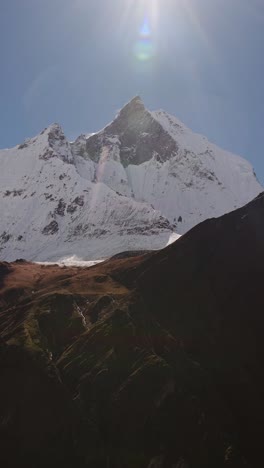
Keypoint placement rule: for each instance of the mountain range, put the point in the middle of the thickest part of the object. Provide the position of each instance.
(137, 184)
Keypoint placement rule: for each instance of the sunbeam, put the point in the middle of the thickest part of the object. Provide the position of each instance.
(195, 21)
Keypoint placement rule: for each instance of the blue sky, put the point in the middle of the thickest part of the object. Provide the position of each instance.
(77, 62)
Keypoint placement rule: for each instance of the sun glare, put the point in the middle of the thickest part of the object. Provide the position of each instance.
(144, 48)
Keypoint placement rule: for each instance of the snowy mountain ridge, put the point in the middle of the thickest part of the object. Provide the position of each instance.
(132, 185)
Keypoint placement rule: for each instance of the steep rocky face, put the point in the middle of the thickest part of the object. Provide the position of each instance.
(58, 142)
(52, 207)
(146, 361)
(135, 185)
(140, 136)
(155, 158)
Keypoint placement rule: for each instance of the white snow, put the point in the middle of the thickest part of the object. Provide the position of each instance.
(92, 221)
(72, 262)
(56, 206)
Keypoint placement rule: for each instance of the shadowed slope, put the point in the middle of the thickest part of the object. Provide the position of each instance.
(151, 361)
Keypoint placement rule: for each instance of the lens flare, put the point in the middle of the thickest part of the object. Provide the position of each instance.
(144, 48)
(145, 28)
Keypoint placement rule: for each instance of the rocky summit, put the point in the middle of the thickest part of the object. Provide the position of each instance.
(150, 360)
(135, 185)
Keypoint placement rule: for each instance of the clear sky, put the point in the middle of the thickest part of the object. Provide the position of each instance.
(77, 62)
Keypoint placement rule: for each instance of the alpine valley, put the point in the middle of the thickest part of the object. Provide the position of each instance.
(137, 184)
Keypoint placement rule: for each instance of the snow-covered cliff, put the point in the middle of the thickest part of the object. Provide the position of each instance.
(133, 185)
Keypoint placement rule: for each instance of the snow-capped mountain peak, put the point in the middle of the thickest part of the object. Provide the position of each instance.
(129, 186)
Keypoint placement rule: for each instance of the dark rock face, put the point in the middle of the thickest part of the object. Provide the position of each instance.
(79, 200)
(140, 136)
(58, 142)
(48, 154)
(5, 237)
(143, 361)
(71, 208)
(51, 228)
(60, 209)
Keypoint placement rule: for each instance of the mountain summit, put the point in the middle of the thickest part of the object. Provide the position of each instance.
(140, 136)
(132, 185)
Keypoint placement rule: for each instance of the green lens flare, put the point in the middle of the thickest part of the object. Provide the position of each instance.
(144, 50)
